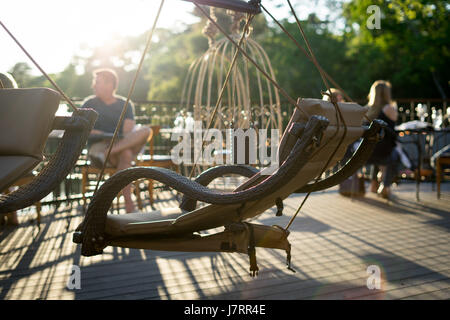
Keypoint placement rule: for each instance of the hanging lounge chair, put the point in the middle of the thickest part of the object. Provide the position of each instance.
(27, 118)
(304, 153)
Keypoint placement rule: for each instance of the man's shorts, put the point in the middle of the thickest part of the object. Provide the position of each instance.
(98, 149)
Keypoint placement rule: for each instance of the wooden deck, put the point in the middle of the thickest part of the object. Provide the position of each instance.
(334, 240)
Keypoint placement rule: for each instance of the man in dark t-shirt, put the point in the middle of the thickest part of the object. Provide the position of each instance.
(108, 115)
(132, 138)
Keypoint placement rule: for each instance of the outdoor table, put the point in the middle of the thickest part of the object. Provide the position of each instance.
(419, 130)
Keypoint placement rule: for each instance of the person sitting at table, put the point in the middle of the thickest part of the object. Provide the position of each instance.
(109, 107)
(385, 154)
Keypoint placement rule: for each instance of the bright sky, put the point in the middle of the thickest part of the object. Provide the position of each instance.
(54, 31)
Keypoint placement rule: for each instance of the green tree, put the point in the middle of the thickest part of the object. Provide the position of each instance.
(294, 71)
(410, 49)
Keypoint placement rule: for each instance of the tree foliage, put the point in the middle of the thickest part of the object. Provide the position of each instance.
(411, 49)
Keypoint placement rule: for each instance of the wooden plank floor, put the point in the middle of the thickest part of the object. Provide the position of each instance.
(334, 240)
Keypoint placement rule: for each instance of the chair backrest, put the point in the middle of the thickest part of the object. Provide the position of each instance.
(26, 120)
(353, 115)
(331, 141)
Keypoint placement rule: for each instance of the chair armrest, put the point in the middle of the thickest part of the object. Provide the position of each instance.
(206, 177)
(359, 158)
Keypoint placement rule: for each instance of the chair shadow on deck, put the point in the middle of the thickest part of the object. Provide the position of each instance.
(146, 274)
(398, 273)
(126, 274)
(28, 254)
(137, 274)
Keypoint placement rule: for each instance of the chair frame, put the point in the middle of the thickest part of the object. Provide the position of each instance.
(91, 232)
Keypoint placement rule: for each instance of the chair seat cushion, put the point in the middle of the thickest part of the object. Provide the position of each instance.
(25, 123)
(14, 168)
(140, 222)
(26, 120)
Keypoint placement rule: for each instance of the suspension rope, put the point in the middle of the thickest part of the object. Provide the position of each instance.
(316, 63)
(222, 90)
(75, 109)
(122, 115)
(333, 101)
(313, 57)
(338, 113)
(281, 90)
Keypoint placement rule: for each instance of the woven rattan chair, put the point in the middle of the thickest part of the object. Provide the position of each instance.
(305, 150)
(27, 118)
(23, 181)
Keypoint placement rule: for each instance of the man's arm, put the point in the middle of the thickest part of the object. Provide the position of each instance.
(128, 125)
